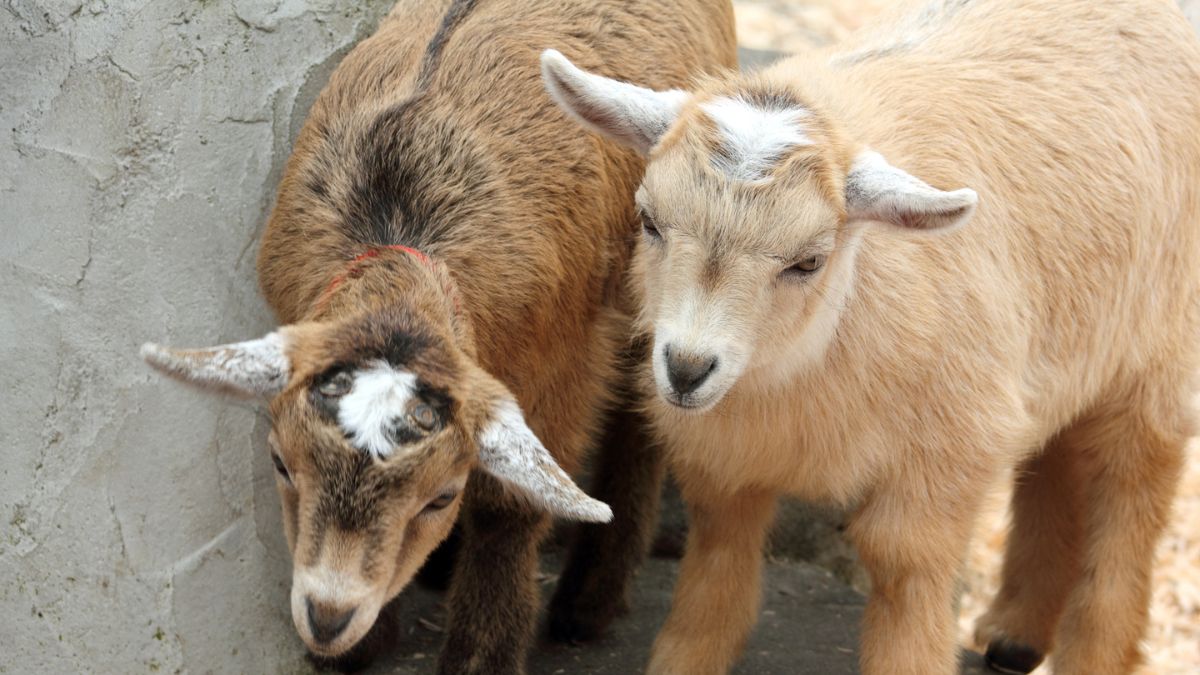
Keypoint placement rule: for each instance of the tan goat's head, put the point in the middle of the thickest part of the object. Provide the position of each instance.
(378, 416)
(753, 206)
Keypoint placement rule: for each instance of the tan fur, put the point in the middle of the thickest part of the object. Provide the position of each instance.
(1056, 330)
(435, 133)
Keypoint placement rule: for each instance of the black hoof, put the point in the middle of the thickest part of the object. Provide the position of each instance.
(573, 625)
(1012, 658)
(573, 631)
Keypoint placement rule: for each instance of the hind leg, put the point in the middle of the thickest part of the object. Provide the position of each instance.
(594, 585)
(1041, 561)
(1134, 449)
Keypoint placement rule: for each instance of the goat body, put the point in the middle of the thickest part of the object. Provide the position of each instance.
(447, 255)
(831, 325)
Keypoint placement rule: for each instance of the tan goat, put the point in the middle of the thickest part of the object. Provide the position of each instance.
(828, 324)
(400, 370)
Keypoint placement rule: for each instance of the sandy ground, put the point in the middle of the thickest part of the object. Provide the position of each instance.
(1173, 642)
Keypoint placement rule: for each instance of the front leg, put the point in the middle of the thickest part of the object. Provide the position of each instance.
(912, 535)
(494, 595)
(718, 592)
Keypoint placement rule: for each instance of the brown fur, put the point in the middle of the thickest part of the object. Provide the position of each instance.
(482, 360)
(435, 133)
(1055, 331)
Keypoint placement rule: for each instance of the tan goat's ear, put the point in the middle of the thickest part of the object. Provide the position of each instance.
(252, 368)
(509, 451)
(629, 114)
(878, 191)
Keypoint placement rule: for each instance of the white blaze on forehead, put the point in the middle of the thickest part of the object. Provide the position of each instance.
(753, 139)
(377, 401)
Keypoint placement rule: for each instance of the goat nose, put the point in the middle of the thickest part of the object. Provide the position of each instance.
(688, 371)
(327, 622)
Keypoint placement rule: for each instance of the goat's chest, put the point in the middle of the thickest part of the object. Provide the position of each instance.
(777, 443)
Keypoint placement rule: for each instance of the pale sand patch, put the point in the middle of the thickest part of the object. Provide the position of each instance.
(788, 26)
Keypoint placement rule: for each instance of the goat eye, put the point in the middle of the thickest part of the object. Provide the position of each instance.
(807, 266)
(423, 417)
(650, 228)
(338, 385)
(441, 501)
(280, 467)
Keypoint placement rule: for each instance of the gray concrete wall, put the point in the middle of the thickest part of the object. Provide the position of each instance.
(142, 140)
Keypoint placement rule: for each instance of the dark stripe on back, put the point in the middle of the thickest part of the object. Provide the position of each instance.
(417, 174)
(458, 11)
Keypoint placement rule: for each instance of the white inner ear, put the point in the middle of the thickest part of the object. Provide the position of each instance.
(633, 115)
(251, 368)
(876, 190)
(377, 402)
(510, 451)
(753, 139)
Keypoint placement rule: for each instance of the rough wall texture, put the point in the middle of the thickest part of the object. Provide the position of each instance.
(142, 142)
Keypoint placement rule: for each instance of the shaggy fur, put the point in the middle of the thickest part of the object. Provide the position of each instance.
(507, 330)
(1055, 330)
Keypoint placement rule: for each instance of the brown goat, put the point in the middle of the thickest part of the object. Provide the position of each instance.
(829, 325)
(400, 370)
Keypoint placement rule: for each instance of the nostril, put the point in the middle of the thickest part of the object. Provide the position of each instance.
(687, 372)
(326, 622)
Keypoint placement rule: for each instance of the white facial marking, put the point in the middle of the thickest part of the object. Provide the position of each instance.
(699, 325)
(323, 585)
(754, 139)
(510, 451)
(251, 368)
(329, 586)
(378, 399)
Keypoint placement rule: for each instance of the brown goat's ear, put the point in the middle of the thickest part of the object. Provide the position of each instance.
(626, 113)
(878, 191)
(509, 451)
(252, 368)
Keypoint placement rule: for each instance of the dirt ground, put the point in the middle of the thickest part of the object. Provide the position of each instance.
(808, 626)
(1173, 643)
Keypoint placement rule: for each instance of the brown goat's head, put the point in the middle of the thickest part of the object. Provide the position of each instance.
(754, 205)
(378, 416)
